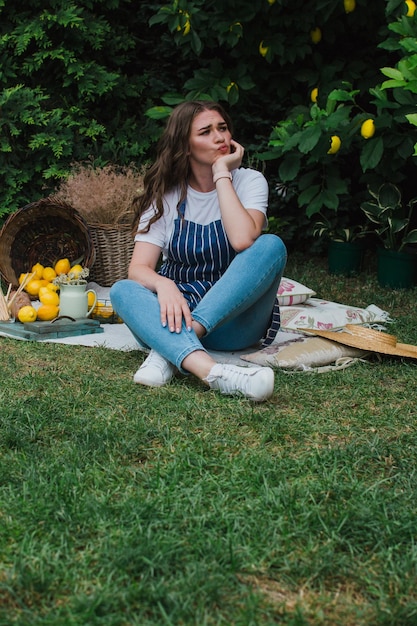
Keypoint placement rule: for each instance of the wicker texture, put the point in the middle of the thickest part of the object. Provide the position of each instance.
(43, 231)
(113, 245)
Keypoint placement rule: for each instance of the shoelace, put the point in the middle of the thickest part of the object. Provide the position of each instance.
(232, 380)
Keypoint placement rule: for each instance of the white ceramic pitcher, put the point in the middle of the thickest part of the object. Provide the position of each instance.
(73, 301)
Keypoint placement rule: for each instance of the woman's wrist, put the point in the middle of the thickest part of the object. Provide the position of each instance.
(222, 174)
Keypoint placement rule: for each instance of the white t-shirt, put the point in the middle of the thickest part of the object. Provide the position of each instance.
(203, 208)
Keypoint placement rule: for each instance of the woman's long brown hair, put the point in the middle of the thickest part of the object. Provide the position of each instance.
(171, 167)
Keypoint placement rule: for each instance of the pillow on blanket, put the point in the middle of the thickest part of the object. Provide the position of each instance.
(326, 315)
(291, 292)
(302, 353)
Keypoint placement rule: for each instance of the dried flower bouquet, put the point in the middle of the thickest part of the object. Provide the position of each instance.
(102, 195)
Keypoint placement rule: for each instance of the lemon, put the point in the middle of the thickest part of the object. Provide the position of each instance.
(27, 314)
(103, 310)
(52, 287)
(313, 95)
(368, 129)
(62, 266)
(47, 312)
(33, 286)
(43, 289)
(411, 7)
(335, 144)
(350, 5)
(48, 273)
(38, 269)
(271, 2)
(22, 277)
(315, 35)
(76, 270)
(48, 297)
(263, 49)
(91, 298)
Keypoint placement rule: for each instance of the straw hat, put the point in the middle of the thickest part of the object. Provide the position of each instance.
(366, 339)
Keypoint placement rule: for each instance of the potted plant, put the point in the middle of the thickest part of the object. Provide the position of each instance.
(391, 220)
(345, 247)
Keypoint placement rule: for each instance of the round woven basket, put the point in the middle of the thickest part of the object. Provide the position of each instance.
(113, 244)
(43, 231)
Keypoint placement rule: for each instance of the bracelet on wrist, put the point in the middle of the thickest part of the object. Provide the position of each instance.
(219, 175)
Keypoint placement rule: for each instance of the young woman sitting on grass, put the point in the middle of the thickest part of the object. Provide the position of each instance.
(216, 288)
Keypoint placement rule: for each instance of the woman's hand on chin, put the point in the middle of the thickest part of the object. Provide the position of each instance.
(230, 161)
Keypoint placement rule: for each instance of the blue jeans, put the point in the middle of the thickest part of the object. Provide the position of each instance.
(235, 312)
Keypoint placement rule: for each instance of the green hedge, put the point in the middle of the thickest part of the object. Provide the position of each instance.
(92, 79)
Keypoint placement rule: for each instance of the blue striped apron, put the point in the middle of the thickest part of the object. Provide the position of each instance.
(198, 255)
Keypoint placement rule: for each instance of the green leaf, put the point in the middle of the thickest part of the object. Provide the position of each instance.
(393, 73)
(412, 118)
(371, 153)
(158, 113)
(411, 237)
(306, 196)
(309, 139)
(392, 84)
(289, 167)
(329, 199)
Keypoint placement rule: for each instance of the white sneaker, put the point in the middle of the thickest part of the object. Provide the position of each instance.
(155, 371)
(255, 383)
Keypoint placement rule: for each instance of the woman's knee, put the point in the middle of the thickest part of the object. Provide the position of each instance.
(123, 291)
(118, 289)
(269, 246)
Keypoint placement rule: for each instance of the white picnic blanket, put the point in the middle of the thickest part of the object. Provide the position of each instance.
(314, 313)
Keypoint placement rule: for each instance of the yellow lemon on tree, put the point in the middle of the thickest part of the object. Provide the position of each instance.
(62, 266)
(38, 269)
(271, 2)
(411, 8)
(314, 94)
(48, 297)
(27, 314)
(33, 286)
(76, 270)
(315, 35)
(263, 49)
(368, 129)
(48, 273)
(350, 5)
(335, 144)
(187, 28)
(47, 312)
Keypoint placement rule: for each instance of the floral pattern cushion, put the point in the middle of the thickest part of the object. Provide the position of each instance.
(326, 315)
(291, 292)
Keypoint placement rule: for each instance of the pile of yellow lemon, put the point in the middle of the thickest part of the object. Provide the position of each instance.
(41, 286)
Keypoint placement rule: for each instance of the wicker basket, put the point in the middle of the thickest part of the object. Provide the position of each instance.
(43, 231)
(113, 245)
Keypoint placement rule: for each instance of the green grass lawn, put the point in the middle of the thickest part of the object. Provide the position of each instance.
(122, 505)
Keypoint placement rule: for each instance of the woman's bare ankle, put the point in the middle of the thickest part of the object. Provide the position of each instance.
(198, 328)
(198, 363)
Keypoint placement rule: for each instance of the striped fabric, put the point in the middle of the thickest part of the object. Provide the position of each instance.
(198, 255)
(274, 325)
